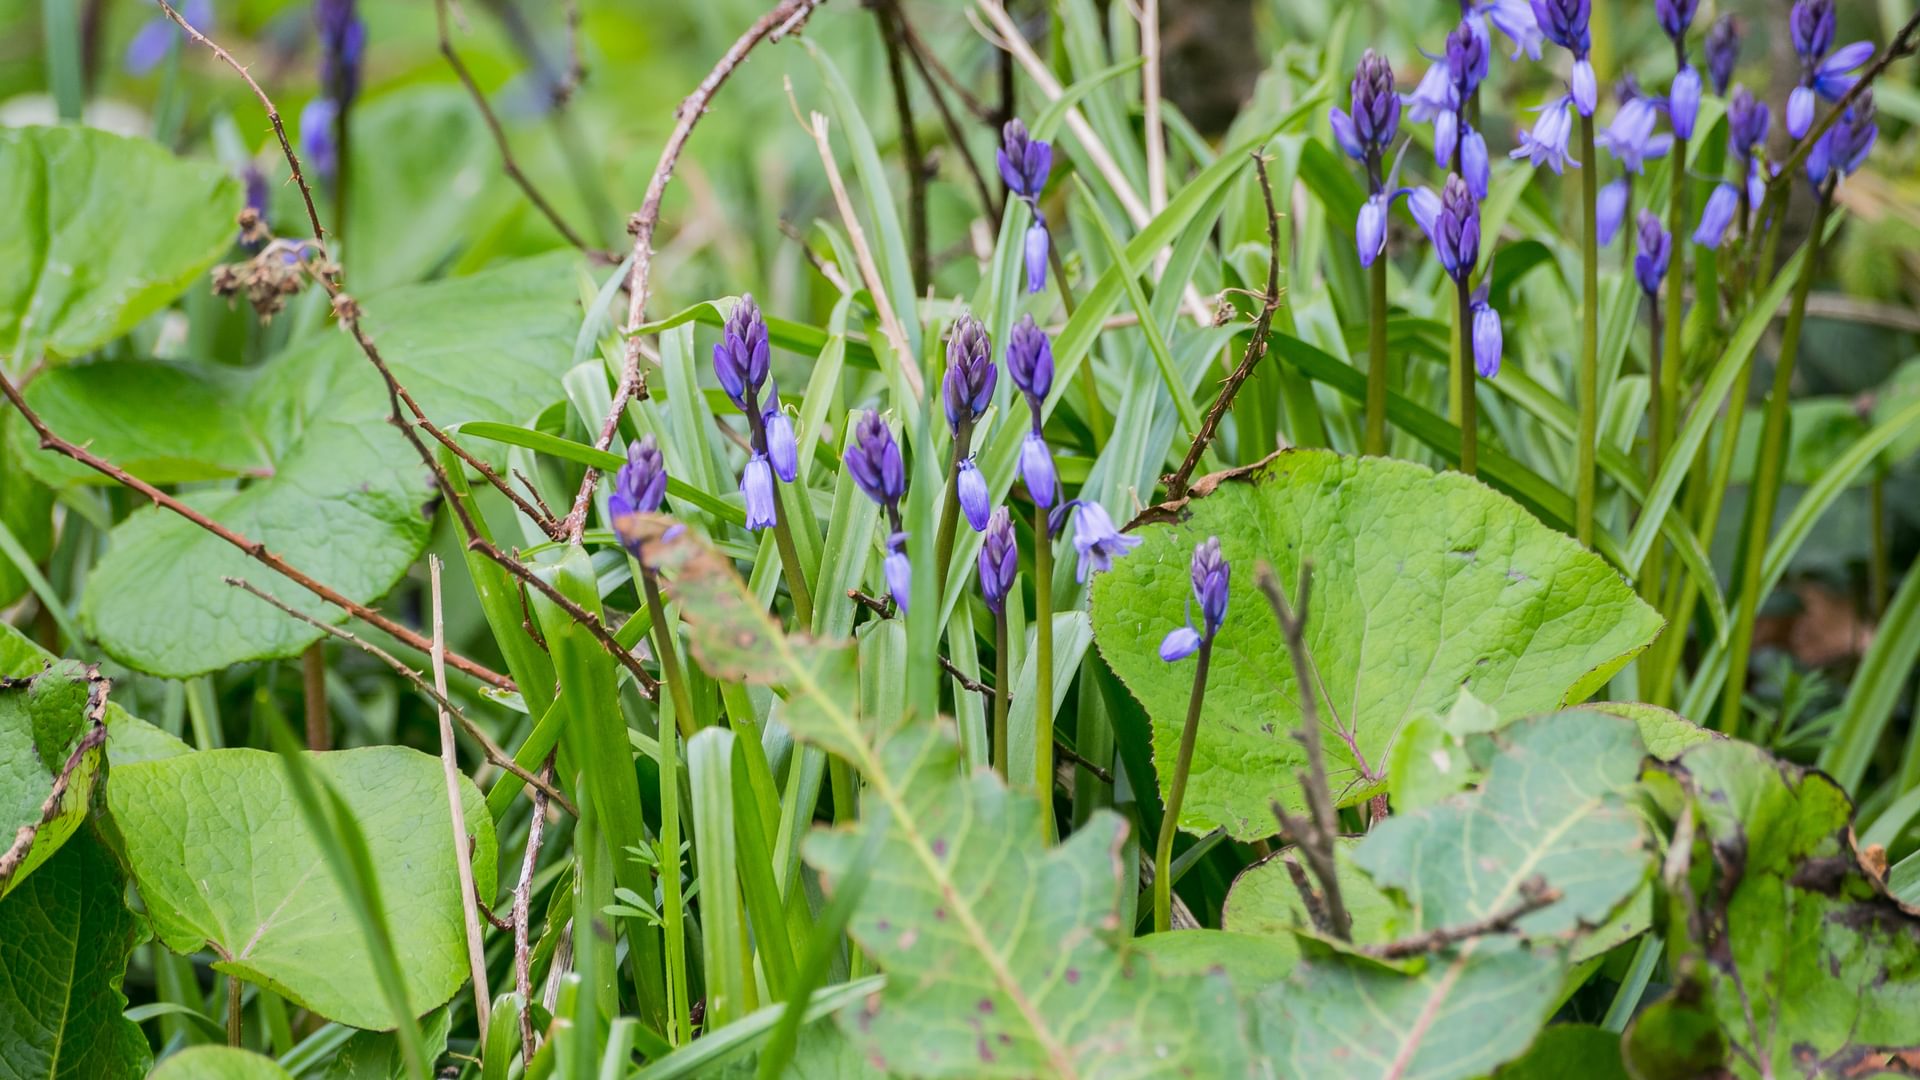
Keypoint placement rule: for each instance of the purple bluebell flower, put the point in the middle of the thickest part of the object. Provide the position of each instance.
(1097, 541)
(157, 35)
(1675, 17)
(1683, 102)
(1024, 160)
(1370, 229)
(1434, 97)
(1546, 143)
(1723, 51)
(742, 356)
(1446, 136)
(999, 561)
(972, 488)
(1655, 251)
(1631, 138)
(1584, 87)
(641, 483)
(1811, 24)
(1747, 121)
(1454, 229)
(1211, 575)
(1845, 146)
(782, 451)
(1030, 362)
(343, 43)
(1757, 183)
(1181, 642)
(1424, 205)
(1626, 88)
(1466, 59)
(874, 461)
(1036, 469)
(899, 571)
(317, 146)
(1345, 136)
(1717, 216)
(1800, 103)
(1489, 339)
(967, 389)
(1565, 23)
(756, 483)
(1513, 18)
(1038, 240)
(1610, 209)
(1833, 76)
(1376, 107)
(1473, 162)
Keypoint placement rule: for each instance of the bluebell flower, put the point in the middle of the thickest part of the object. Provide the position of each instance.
(1717, 216)
(157, 35)
(1466, 59)
(1546, 143)
(756, 483)
(874, 461)
(343, 43)
(1376, 107)
(317, 146)
(641, 483)
(1845, 146)
(899, 571)
(1811, 24)
(742, 356)
(1513, 18)
(1452, 221)
(1180, 643)
(1723, 51)
(967, 388)
(1370, 228)
(1038, 240)
(1036, 470)
(1675, 17)
(1610, 209)
(1631, 138)
(1683, 102)
(1434, 97)
(1655, 251)
(999, 561)
(1473, 162)
(782, 451)
(1096, 540)
(1024, 160)
(1446, 135)
(1210, 574)
(972, 489)
(1833, 76)
(1424, 205)
(1585, 88)
(1800, 102)
(1489, 339)
(1757, 183)
(1566, 24)
(1345, 135)
(1747, 122)
(1030, 362)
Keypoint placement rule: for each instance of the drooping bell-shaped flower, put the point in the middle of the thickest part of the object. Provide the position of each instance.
(899, 571)
(1211, 575)
(1566, 24)
(972, 489)
(1723, 52)
(641, 483)
(1024, 161)
(756, 483)
(1370, 228)
(999, 561)
(1473, 162)
(1434, 96)
(1846, 144)
(1513, 18)
(1546, 143)
(1683, 102)
(1454, 228)
(1489, 338)
(1631, 138)
(1096, 540)
(1610, 209)
(1034, 249)
(1655, 251)
(967, 389)
(1717, 216)
(782, 451)
(1036, 469)
(874, 460)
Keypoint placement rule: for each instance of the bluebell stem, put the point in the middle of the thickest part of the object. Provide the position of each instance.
(157, 35)
(1717, 216)
(874, 462)
(343, 43)
(1513, 18)
(972, 490)
(1631, 138)
(898, 570)
(1723, 51)
(756, 483)
(1546, 143)
(1683, 102)
(641, 483)
(1611, 208)
(1845, 146)
(1095, 539)
(967, 388)
(1565, 23)
(318, 147)
(1211, 574)
(1024, 164)
(1655, 250)
(1489, 338)
(999, 560)
(1747, 121)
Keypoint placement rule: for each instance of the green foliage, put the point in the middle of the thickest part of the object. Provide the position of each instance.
(219, 1063)
(52, 726)
(1423, 585)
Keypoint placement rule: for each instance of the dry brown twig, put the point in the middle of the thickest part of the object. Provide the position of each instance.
(462, 845)
(1535, 894)
(785, 18)
(523, 912)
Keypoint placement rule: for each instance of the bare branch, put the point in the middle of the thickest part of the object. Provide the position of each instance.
(1534, 895)
(90, 743)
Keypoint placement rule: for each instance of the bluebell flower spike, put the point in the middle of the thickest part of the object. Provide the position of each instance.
(1030, 361)
(343, 43)
(874, 461)
(1024, 161)
(1466, 59)
(1747, 121)
(1211, 576)
(1675, 17)
(967, 388)
(999, 561)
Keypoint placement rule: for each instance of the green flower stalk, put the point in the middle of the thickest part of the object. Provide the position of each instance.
(1211, 576)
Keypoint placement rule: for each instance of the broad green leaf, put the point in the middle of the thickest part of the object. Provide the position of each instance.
(1554, 806)
(1003, 956)
(1795, 957)
(224, 861)
(1264, 900)
(1423, 584)
(165, 423)
(129, 738)
(1665, 733)
(348, 498)
(219, 1063)
(65, 935)
(1569, 1052)
(1249, 963)
(376, 1055)
(52, 725)
(97, 232)
(26, 511)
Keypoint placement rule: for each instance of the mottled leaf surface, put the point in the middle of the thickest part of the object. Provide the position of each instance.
(1423, 584)
(224, 861)
(98, 231)
(44, 719)
(129, 738)
(64, 938)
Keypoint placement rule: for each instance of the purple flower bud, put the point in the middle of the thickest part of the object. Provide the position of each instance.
(782, 451)
(1610, 209)
(1675, 17)
(972, 488)
(1036, 470)
(874, 460)
(1489, 340)
(316, 137)
(1656, 248)
(742, 356)
(756, 483)
(1446, 135)
(968, 386)
(1466, 59)
(1473, 163)
(1800, 111)
(1717, 215)
(999, 561)
(1024, 161)
(1345, 135)
(1812, 23)
(1747, 121)
(1514, 18)
(1370, 231)
(1586, 91)
(1546, 143)
(1565, 23)
(1211, 574)
(1723, 51)
(641, 483)
(1037, 241)
(1683, 102)
(1844, 147)
(1631, 138)
(899, 571)
(343, 42)
(1096, 540)
(1834, 75)
(1456, 230)
(1180, 643)
(1030, 362)
(1376, 107)
(1434, 97)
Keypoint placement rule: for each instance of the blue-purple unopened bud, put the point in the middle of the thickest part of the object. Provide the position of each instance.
(317, 145)
(1747, 122)
(782, 450)
(874, 460)
(1474, 164)
(1096, 540)
(1024, 160)
(1585, 89)
(1456, 231)
(1833, 76)
(343, 43)
(972, 489)
(1675, 17)
(641, 483)
(756, 483)
(1812, 25)
(1683, 102)
(742, 356)
(1845, 146)
(1211, 574)
(1489, 340)
(1466, 59)
(1345, 135)
(1717, 216)
(1038, 240)
(899, 571)
(1723, 52)
(1656, 249)
(1030, 362)
(1800, 103)
(999, 561)
(967, 388)
(1610, 209)
(1036, 470)
(1565, 22)
(1376, 107)
(1370, 229)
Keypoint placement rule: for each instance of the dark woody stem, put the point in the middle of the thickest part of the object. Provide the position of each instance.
(1170, 821)
(950, 510)
(782, 534)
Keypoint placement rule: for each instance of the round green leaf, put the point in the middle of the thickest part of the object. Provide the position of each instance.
(1423, 584)
(97, 232)
(225, 861)
(166, 423)
(219, 1063)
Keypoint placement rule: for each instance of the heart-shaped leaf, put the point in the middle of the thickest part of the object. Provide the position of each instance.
(97, 232)
(347, 500)
(52, 728)
(224, 861)
(166, 423)
(1422, 583)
